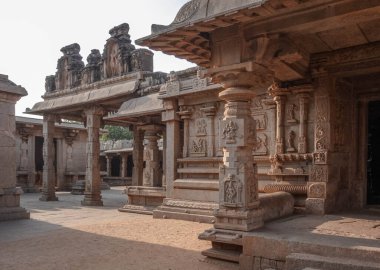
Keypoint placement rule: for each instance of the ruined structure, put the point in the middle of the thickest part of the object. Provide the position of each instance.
(299, 90)
(279, 118)
(10, 208)
(86, 94)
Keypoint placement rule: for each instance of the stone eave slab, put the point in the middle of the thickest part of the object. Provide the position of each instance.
(200, 16)
(76, 101)
(137, 107)
(8, 87)
(192, 91)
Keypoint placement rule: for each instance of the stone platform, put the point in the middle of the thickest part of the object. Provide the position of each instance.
(332, 242)
(143, 200)
(80, 186)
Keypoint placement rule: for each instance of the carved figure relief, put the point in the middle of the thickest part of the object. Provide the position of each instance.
(261, 147)
(320, 158)
(320, 138)
(261, 121)
(291, 145)
(199, 147)
(230, 132)
(201, 126)
(291, 113)
(232, 191)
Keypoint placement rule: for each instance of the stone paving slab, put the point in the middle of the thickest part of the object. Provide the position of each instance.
(66, 235)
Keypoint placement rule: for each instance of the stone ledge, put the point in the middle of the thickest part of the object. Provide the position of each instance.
(12, 213)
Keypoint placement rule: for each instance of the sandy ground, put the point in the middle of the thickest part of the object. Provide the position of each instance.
(65, 235)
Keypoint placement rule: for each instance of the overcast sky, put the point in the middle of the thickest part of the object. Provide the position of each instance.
(34, 31)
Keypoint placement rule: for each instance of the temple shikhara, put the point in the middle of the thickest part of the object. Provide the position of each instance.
(279, 117)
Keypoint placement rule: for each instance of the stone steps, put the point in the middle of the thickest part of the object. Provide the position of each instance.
(300, 261)
(221, 254)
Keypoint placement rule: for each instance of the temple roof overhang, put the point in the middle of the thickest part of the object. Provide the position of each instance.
(134, 108)
(108, 93)
(314, 26)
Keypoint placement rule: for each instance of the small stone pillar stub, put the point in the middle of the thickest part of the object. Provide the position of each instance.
(238, 184)
(48, 177)
(92, 194)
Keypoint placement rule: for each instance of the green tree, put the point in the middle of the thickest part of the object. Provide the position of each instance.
(116, 133)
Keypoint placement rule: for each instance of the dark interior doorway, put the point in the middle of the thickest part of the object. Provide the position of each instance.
(129, 166)
(38, 154)
(115, 166)
(373, 162)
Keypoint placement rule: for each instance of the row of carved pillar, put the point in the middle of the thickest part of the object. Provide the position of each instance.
(92, 191)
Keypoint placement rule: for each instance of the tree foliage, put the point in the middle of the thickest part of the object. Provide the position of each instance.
(116, 133)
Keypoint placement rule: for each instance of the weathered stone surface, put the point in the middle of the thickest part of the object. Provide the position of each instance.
(9, 194)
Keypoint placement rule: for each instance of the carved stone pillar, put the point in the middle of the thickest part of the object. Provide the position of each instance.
(164, 158)
(151, 175)
(138, 157)
(31, 165)
(124, 165)
(185, 114)
(109, 165)
(320, 174)
(279, 96)
(210, 112)
(48, 177)
(171, 119)
(304, 97)
(238, 184)
(92, 194)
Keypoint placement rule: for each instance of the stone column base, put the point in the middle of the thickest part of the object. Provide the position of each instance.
(48, 198)
(10, 205)
(239, 220)
(11, 213)
(143, 200)
(92, 199)
(186, 210)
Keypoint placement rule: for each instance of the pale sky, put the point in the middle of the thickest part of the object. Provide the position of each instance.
(34, 31)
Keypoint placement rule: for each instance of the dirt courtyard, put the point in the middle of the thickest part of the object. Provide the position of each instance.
(64, 235)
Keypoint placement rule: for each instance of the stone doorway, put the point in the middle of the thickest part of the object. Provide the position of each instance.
(115, 166)
(373, 161)
(38, 159)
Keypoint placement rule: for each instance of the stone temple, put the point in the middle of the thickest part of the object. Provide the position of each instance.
(279, 117)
